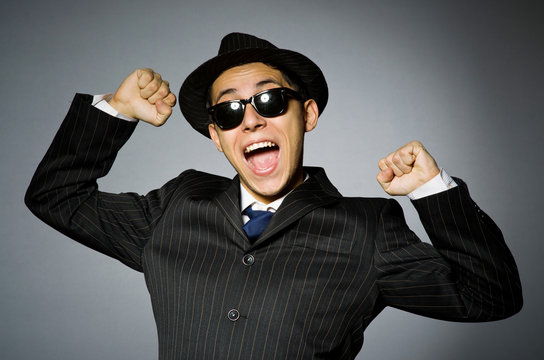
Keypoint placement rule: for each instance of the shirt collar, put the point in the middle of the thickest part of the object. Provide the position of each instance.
(246, 200)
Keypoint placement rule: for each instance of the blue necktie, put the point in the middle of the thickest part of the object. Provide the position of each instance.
(258, 220)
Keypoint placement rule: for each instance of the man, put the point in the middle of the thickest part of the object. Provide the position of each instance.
(274, 263)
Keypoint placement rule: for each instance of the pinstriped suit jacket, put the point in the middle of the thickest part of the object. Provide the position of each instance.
(307, 288)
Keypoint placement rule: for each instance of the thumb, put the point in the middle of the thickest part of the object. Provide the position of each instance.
(163, 112)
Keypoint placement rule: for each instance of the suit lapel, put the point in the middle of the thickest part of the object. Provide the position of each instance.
(229, 203)
(314, 193)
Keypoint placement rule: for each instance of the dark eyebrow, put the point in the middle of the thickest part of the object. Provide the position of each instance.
(259, 85)
(223, 93)
(266, 82)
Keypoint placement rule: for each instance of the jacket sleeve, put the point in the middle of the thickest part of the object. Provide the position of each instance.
(64, 193)
(468, 274)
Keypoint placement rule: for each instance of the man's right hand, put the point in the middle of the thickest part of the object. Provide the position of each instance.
(144, 95)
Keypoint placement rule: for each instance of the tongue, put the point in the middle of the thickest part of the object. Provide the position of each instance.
(263, 159)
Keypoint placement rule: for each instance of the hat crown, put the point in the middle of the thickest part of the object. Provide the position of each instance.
(239, 41)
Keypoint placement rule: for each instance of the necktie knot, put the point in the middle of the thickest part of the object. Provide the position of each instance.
(258, 220)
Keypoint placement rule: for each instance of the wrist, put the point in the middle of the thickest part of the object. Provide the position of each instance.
(120, 107)
(441, 182)
(101, 102)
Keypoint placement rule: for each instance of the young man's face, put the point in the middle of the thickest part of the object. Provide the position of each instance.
(266, 152)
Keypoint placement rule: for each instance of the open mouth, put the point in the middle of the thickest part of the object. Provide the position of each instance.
(262, 156)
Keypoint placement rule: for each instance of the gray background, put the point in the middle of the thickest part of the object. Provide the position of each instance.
(464, 77)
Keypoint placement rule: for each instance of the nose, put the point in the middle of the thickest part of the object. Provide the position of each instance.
(252, 120)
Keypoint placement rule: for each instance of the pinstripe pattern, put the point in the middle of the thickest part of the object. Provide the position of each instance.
(323, 269)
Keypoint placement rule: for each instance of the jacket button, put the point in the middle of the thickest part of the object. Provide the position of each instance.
(233, 315)
(248, 260)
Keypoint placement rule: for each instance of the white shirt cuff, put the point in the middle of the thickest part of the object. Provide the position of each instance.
(101, 103)
(439, 183)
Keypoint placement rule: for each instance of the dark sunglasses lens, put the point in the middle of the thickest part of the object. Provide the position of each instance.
(270, 103)
(229, 115)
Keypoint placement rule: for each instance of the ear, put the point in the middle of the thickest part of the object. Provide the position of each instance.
(215, 137)
(311, 113)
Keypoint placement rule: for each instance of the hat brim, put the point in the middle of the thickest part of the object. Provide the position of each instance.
(194, 91)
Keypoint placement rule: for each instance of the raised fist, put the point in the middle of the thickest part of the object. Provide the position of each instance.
(406, 169)
(144, 95)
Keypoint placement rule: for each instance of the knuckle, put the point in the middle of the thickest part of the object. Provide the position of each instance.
(153, 87)
(171, 99)
(416, 144)
(163, 91)
(389, 160)
(146, 74)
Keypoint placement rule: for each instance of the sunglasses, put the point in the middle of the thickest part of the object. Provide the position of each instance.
(269, 103)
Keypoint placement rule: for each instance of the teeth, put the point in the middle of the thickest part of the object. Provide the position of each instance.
(259, 145)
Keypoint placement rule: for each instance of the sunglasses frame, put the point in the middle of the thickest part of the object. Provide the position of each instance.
(243, 102)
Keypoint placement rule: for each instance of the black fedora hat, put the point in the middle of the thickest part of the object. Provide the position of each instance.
(238, 49)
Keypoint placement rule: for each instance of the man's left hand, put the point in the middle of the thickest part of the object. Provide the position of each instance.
(406, 169)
